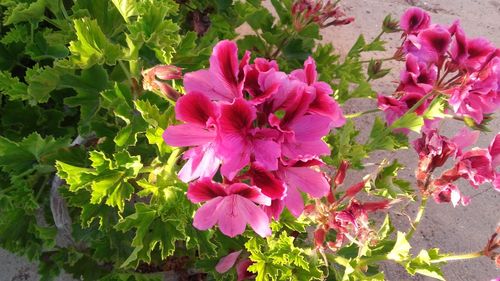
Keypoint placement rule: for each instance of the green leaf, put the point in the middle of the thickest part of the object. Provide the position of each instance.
(127, 8)
(12, 87)
(410, 121)
(152, 114)
(46, 46)
(108, 182)
(401, 250)
(260, 19)
(88, 85)
(388, 185)
(119, 101)
(423, 264)
(151, 232)
(41, 81)
(277, 258)
(92, 47)
(436, 109)
(383, 138)
(26, 12)
(344, 146)
(18, 157)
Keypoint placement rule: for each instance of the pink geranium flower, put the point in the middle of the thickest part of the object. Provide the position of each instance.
(414, 20)
(223, 81)
(239, 141)
(302, 176)
(322, 103)
(231, 207)
(199, 130)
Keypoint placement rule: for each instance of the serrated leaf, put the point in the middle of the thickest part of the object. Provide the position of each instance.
(388, 185)
(92, 47)
(12, 87)
(26, 12)
(401, 250)
(423, 264)
(151, 232)
(410, 121)
(382, 137)
(41, 81)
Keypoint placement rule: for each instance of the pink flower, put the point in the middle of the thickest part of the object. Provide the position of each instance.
(302, 177)
(262, 79)
(223, 81)
(479, 95)
(414, 20)
(429, 45)
(322, 103)
(459, 46)
(239, 141)
(199, 129)
(434, 150)
(479, 51)
(230, 207)
(450, 193)
(418, 76)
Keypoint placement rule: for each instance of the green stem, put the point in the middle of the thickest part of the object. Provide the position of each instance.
(371, 260)
(459, 257)
(418, 218)
(384, 59)
(357, 114)
(125, 70)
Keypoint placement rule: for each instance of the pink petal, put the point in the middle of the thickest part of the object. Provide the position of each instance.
(266, 153)
(305, 150)
(494, 150)
(227, 262)
(224, 67)
(252, 193)
(206, 216)
(275, 210)
(465, 138)
(310, 127)
(236, 118)
(307, 180)
(255, 216)
(204, 190)
(188, 135)
(267, 182)
(231, 219)
(235, 152)
(202, 163)
(195, 107)
(294, 202)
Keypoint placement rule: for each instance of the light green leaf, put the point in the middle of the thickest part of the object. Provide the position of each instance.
(410, 121)
(401, 250)
(92, 47)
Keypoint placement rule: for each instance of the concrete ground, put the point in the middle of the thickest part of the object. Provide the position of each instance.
(461, 229)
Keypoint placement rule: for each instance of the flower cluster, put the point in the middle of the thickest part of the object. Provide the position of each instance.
(263, 128)
(346, 217)
(477, 165)
(442, 60)
(305, 12)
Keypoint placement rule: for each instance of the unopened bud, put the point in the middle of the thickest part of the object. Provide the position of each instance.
(390, 25)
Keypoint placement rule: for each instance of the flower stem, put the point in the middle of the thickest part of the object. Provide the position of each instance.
(418, 218)
(357, 114)
(459, 257)
(384, 59)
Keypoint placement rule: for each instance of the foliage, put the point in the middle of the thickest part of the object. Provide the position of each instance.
(88, 185)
